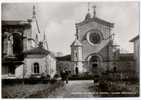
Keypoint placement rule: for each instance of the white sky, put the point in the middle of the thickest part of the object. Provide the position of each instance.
(58, 20)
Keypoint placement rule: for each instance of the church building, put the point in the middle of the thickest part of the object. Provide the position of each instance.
(92, 49)
(23, 53)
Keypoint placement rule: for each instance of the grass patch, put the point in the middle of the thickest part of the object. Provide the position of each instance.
(30, 90)
(115, 89)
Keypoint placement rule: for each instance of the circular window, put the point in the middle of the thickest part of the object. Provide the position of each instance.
(94, 37)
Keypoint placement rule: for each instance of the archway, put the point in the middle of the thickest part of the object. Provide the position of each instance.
(94, 62)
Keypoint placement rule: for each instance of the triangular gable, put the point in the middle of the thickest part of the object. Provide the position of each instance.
(98, 20)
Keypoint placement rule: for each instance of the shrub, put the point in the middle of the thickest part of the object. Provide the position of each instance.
(52, 81)
(48, 77)
(103, 86)
(25, 81)
(30, 91)
(96, 78)
(56, 76)
(81, 77)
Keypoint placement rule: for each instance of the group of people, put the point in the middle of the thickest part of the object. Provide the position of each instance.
(65, 74)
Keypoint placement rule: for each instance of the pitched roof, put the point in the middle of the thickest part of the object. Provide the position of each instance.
(76, 43)
(64, 58)
(98, 20)
(135, 38)
(15, 22)
(37, 50)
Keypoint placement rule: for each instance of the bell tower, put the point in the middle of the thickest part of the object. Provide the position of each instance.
(31, 35)
(76, 54)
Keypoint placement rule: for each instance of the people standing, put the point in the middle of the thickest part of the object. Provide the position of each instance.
(66, 76)
(62, 73)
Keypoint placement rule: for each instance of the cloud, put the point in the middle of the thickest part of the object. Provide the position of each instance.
(16, 11)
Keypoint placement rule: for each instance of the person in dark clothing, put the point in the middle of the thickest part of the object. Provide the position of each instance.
(62, 73)
(66, 76)
(76, 70)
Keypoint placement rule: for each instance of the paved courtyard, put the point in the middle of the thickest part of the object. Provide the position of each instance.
(74, 89)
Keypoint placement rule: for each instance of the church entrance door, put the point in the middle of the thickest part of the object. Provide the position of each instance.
(94, 63)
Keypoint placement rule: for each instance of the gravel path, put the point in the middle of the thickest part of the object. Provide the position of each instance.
(74, 89)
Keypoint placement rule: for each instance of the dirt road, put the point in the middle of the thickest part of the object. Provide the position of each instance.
(74, 89)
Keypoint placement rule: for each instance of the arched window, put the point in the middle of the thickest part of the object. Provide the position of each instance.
(36, 68)
(17, 43)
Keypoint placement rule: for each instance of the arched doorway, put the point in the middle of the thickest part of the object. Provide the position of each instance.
(94, 62)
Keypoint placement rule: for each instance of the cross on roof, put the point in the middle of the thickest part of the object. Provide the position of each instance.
(94, 7)
(34, 12)
(88, 7)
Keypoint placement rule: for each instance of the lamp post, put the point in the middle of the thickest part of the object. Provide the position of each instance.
(23, 72)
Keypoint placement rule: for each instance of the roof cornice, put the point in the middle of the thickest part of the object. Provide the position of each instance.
(95, 19)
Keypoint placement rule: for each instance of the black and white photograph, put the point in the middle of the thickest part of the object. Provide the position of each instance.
(70, 49)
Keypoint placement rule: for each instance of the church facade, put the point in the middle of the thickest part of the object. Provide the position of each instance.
(92, 50)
